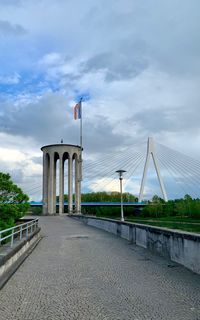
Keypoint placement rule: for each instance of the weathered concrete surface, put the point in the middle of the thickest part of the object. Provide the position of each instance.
(79, 272)
(180, 246)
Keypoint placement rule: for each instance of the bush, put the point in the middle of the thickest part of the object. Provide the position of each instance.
(37, 210)
(13, 202)
(186, 207)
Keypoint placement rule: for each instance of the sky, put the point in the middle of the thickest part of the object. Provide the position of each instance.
(135, 63)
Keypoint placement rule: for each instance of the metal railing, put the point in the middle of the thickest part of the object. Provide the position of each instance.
(18, 232)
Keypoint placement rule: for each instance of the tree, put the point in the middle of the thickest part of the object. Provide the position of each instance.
(13, 202)
(157, 199)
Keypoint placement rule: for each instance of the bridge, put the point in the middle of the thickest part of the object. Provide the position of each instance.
(77, 272)
(96, 204)
(151, 168)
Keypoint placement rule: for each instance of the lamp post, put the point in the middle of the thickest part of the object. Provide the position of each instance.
(120, 172)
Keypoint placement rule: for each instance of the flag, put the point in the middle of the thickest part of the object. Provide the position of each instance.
(77, 111)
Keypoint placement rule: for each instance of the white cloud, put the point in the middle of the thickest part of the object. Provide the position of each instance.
(11, 155)
(104, 184)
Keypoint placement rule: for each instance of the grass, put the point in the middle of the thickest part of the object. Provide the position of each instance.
(168, 219)
(180, 223)
(185, 223)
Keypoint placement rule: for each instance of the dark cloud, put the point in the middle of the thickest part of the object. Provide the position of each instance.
(6, 28)
(117, 65)
(43, 120)
(101, 137)
(169, 29)
(49, 120)
(177, 119)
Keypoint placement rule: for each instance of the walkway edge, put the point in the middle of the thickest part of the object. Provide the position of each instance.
(17, 256)
(178, 246)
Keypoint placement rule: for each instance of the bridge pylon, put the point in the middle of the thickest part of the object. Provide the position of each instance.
(151, 151)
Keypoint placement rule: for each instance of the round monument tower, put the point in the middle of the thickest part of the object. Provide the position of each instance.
(62, 152)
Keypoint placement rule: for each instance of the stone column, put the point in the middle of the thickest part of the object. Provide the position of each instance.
(80, 163)
(45, 183)
(70, 185)
(51, 194)
(49, 189)
(78, 185)
(61, 185)
(54, 187)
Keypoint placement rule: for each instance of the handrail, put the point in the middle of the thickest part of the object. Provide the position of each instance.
(29, 227)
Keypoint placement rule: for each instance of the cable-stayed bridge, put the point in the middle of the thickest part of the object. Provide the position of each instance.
(80, 272)
(151, 168)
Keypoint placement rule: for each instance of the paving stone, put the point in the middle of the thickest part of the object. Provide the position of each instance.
(78, 272)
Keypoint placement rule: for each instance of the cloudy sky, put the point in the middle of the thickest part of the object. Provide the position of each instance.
(135, 62)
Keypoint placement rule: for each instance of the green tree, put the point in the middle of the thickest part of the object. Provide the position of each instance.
(157, 199)
(185, 207)
(13, 202)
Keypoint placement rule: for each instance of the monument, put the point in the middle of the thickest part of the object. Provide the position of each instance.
(62, 152)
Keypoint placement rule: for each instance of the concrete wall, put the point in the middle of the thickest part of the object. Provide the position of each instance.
(12, 258)
(181, 247)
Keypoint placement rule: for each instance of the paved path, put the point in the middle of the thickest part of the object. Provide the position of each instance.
(78, 272)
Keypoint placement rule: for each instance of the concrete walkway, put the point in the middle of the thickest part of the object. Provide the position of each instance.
(79, 272)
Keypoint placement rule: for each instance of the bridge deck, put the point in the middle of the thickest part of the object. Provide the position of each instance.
(78, 272)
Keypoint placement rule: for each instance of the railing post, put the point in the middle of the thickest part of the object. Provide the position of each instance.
(18, 230)
(27, 230)
(12, 237)
(20, 233)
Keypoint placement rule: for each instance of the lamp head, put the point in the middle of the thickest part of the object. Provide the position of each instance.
(120, 172)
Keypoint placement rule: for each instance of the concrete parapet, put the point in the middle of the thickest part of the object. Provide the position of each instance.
(12, 258)
(179, 246)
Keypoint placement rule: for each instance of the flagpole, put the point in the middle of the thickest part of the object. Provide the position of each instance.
(81, 126)
(81, 138)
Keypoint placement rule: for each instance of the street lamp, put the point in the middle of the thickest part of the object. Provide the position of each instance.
(120, 172)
